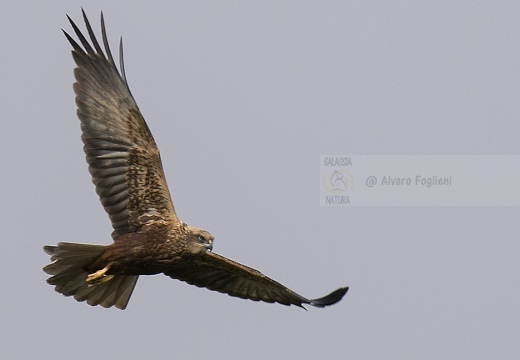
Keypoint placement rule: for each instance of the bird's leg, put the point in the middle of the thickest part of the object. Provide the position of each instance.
(99, 276)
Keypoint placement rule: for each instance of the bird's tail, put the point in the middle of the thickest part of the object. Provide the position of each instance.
(69, 270)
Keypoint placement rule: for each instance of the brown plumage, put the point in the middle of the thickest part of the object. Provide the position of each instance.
(148, 237)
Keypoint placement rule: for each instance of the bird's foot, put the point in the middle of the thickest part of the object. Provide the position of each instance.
(99, 276)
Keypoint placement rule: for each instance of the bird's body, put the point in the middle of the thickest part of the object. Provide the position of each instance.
(149, 239)
(147, 252)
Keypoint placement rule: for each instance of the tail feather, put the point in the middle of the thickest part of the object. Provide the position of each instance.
(69, 276)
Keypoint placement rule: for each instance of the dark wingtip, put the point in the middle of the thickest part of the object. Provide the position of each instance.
(330, 299)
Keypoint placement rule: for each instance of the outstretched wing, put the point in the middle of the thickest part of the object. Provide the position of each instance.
(122, 155)
(218, 273)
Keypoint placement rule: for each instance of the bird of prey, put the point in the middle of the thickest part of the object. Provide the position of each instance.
(148, 237)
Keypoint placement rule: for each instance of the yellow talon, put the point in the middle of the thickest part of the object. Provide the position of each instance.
(99, 276)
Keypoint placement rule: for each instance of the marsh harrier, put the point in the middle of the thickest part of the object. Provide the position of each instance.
(148, 238)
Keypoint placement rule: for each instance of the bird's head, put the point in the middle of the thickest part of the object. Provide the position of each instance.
(198, 240)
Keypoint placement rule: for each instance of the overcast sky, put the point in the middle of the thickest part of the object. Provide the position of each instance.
(243, 98)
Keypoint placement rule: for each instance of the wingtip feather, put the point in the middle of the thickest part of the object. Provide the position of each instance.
(330, 299)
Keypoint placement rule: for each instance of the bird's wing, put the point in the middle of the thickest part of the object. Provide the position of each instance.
(122, 155)
(218, 273)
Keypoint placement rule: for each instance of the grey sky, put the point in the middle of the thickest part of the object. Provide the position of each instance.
(242, 100)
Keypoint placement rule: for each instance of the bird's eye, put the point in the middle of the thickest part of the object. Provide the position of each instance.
(201, 239)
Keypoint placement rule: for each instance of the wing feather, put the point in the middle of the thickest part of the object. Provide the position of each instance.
(218, 273)
(123, 157)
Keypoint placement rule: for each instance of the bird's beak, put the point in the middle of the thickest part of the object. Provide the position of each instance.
(209, 246)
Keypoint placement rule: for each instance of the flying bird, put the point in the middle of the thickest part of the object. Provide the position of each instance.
(148, 237)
